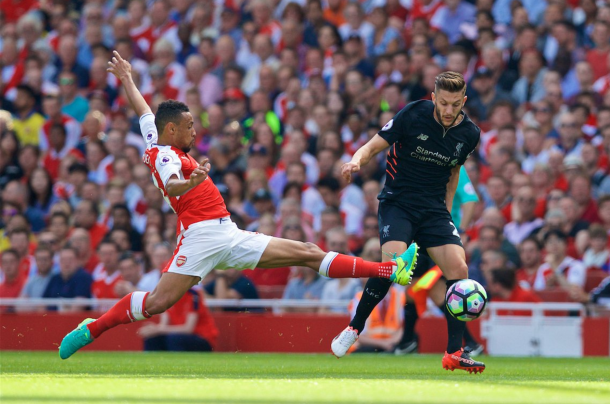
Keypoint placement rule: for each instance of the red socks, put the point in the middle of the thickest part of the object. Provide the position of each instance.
(336, 265)
(129, 309)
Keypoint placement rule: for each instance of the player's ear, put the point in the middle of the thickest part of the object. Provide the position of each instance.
(433, 96)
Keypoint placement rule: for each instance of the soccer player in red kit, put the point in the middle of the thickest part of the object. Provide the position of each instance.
(207, 238)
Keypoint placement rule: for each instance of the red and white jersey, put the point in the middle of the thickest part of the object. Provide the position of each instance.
(574, 271)
(602, 85)
(103, 284)
(203, 202)
(73, 133)
(143, 37)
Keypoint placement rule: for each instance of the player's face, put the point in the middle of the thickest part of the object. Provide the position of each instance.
(185, 135)
(447, 106)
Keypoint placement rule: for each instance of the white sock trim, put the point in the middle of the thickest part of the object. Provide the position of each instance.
(325, 265)
(137, 305)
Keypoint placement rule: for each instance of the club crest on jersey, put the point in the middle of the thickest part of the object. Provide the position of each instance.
(165, 159)
(458, 149)
(423, 137)
(181, 260)
(388, 125)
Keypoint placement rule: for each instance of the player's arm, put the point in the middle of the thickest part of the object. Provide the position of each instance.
(177, 187)
(122, 70)
(452, 186)
(363, 155)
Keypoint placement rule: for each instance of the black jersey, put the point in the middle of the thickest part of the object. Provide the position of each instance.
(422, 154)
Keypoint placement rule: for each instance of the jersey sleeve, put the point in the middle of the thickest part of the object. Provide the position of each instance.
(148, 129)
(168, 164)
(397, 127)
(469, 149)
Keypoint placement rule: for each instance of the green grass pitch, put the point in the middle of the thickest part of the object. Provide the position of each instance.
(187, 378)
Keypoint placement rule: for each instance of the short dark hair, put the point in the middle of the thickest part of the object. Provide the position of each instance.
(109, 242)
(505, 277)
(62, 215)
(330, 183)
(11, 251)
(533, 239)
(169, 111)
(450, 81)
(44, 248)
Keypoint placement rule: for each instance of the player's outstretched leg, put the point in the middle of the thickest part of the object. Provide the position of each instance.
(133, 307)
(281, 252)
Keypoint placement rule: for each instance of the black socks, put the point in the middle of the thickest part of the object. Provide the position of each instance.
(455, 327)
(374, 292)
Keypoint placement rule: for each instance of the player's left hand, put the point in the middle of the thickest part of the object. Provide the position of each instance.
(200, 173)
(119, 67)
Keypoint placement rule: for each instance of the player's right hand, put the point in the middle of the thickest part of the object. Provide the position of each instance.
(348, 168)
(200, 173)
(119, 67)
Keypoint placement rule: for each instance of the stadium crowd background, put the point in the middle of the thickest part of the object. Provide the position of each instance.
(283, 93)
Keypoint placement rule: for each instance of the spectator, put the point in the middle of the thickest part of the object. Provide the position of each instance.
(338, 289)
(304, 285)
(329, 190)
(27, 121)
(526, 222)
(598, 254)
(72, 104)
(12, 280)
(530, 254)
(80, 242)
(71, 281)
(529, 88)
(37, 284)
(559, 270)
(106, 274)
(85, 216)
(132, 276)
(231, 284)
(186, 326)
(450, 17)
(505, 288)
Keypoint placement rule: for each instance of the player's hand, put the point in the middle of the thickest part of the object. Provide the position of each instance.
(119, 67)
(200, 173)
(348, 168)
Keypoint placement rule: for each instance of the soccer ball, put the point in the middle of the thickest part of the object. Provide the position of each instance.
(466, 300)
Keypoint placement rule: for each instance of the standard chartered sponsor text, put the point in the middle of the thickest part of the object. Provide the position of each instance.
(426, 155)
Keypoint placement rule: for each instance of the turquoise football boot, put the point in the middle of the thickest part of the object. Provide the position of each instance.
(76, 339)
(405, 263)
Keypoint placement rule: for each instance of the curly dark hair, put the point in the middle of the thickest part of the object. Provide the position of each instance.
(169, 111)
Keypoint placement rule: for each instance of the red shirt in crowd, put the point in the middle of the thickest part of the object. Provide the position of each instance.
(518, 295)
(103, 284)
(193, 302)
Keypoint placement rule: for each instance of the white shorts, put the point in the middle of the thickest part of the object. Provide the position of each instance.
(216, 244)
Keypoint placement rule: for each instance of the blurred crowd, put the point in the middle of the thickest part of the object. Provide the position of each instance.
(283, 93)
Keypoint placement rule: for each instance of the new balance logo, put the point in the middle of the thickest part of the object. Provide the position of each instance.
(423, 137)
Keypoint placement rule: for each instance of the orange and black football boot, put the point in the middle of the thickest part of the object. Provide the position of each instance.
(462, 360)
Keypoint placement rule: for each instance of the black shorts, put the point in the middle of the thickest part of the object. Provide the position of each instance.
(429, 227)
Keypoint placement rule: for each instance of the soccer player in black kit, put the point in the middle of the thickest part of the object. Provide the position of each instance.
(429, 141)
